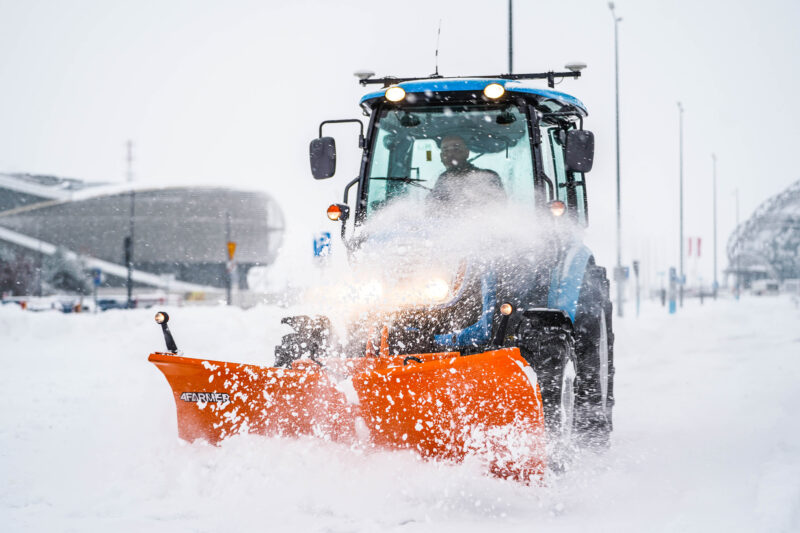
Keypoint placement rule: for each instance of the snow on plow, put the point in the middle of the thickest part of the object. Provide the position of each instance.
(443, 405)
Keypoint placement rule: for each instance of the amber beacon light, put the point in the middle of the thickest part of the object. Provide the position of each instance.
(334, 212)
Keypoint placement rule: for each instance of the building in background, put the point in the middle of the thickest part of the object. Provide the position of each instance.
(180, 233)
(767, 245)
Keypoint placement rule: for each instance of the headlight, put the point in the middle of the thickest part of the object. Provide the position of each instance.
(420, 291)
(436, 290)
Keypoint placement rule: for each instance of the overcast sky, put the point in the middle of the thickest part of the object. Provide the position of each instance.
(231, 93)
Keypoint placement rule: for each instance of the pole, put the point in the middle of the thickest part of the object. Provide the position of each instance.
(716, 284)
(636, 270)
(229, 268)
(129, 238)
(39, 257)
(618, 271)
(510, 38)
(673, 280)
(738, 249)
(681, 273)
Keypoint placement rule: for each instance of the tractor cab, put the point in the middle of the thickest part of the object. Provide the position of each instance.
(436, 152)
(445, 145)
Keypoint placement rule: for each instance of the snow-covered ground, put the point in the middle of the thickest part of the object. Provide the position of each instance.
(707, 437)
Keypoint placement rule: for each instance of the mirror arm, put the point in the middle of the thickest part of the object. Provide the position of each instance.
(348, 187)
(344, 201)
(361, 142)
(550, 186)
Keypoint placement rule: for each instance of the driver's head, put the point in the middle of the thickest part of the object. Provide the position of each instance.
(454, 152)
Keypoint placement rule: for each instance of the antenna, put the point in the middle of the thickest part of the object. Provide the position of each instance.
(438, 34)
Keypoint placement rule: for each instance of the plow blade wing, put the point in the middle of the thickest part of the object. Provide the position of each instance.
(487, 405)
(215, 400)
(443, 406)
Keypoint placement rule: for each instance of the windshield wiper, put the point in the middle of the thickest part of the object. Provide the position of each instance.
(405, 179)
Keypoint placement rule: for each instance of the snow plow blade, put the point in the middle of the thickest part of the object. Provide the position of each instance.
(444, 405)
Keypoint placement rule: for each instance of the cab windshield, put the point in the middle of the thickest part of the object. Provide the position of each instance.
(447, 152)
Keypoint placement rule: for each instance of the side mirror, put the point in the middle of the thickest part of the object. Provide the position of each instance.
(322, 154)
(579, 152)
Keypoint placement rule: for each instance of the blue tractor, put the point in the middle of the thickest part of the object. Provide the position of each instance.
(447, 152)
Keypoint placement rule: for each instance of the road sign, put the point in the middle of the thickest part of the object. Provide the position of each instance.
(97, 277)
(231, 249)
(322, 244)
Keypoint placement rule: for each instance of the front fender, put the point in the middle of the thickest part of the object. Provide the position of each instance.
(567, 278)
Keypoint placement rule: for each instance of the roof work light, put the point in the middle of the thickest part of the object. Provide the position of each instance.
(494, 91)
(395, 93)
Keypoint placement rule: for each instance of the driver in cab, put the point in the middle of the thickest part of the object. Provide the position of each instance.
(462, 181)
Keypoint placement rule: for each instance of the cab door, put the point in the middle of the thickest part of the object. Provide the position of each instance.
(569, 186)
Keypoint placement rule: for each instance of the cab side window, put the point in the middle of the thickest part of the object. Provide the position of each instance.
(379, 167)
(569, 188)
(550, 162)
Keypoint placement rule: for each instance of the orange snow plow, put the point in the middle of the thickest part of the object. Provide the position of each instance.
(443, 405)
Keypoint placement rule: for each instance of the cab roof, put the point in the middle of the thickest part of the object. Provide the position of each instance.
(435, 85)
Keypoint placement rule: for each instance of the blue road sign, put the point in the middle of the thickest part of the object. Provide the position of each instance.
(322, 244)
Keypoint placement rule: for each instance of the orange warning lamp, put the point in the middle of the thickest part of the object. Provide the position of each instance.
(334, 212)
(338, 212)
(557, 207)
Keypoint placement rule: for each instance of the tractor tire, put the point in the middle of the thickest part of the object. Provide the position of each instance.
(311, 339)
(553, 359)
(594, 350)
(557, 384)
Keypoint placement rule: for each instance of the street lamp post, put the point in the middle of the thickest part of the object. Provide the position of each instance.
(738, 249)
(130, 237)
(716, 284)
(230, 266)
(618, 270)
(680, 133)
(510, 38)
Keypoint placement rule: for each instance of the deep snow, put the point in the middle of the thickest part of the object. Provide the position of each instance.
(707, 437)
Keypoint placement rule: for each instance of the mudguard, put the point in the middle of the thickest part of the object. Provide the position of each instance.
(566, 281)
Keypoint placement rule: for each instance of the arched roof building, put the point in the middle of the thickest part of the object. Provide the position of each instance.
(767, 245)
(178, 231)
